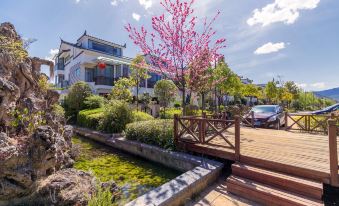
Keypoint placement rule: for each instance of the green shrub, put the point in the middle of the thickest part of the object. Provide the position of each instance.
(154, 132)
(141, 116)
(177, 104)
(89, 118)
(169, 113)
(94, 101)
(115, 117)
(192, 110)
(74, 101)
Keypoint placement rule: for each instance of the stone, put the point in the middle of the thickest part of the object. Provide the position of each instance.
(35, 144)
(65, 187)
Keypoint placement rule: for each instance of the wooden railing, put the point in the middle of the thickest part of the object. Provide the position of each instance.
(333, 130)
(248, 119)
(308, 122)
(203, 129)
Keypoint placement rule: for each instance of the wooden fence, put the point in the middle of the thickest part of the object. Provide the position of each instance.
(333, 131)
(308, 122)
(202, 130)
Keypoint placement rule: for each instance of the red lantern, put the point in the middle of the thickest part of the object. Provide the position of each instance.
(101, 65)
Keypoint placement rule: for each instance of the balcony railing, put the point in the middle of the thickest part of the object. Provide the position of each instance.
(101, 80)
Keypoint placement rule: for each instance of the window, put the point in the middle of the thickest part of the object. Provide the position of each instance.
(102, 76)
(118, 71)
(125, 71)
(61, 78)
(77, 72)
(117, 52)
(151, 81)
(61, 65)
(105, 48)
(89, 75)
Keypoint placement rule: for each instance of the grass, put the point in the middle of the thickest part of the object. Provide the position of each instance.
(134, 175)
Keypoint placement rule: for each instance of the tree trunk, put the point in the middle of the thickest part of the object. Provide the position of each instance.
(215, 100)
(183, 103)
(137, 96)
(203, 101)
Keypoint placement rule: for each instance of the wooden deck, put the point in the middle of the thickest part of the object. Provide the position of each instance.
(300, 154)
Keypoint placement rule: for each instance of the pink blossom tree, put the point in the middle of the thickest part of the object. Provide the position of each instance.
(176, 42)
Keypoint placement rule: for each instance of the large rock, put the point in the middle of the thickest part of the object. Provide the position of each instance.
(65, 187)
(35, 144)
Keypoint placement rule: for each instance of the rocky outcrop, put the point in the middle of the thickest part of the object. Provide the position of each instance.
(35, 144)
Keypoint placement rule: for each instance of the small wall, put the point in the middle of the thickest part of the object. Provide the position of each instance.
(199, 172)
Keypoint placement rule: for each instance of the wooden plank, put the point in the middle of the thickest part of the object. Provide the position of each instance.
(282, 181)
(267, 195)
(288, 169)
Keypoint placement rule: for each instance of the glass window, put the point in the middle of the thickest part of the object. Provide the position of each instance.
(118, 71)
(125, 70)
(61, 78)
(104, 76)
(61, 65)
(142, 83)
(77, 72)
(154, 78)
(117, 52)
(105, 48)
(89, 75)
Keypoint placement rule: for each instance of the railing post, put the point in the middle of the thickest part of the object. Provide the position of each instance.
(175, 128)
(286, 120)
(332, 135)
(237, 138)
(252, 119)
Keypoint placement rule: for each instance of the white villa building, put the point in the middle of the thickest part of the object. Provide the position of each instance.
(79, 62)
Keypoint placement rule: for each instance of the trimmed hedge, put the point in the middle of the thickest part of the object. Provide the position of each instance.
(141, 116)
(169, 113)
(154, 132)
(89, 118)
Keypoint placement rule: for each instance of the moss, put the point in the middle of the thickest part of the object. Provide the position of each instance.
(136, 176)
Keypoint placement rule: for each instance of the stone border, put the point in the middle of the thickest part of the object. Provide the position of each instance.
(199, 172)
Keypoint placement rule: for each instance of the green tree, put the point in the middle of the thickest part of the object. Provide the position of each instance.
(288, 97)
(166, 91)
(292, 88)
(271, 91)
(121, 90)
(250, 90)
(75, 100)
(231, 85)
(138, 73)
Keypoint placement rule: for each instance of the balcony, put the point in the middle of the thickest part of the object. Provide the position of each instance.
(102, 80)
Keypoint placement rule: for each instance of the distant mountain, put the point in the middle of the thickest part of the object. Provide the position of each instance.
(330, 93)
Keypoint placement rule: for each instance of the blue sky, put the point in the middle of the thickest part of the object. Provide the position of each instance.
(295, 39)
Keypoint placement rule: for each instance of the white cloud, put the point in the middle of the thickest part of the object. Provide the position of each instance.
(302, 85)
(116, 2)
(146, 3)
(52, 54)
(286, 11)
(313, 86)
(318, 85)
(136, 16)
(269, 48)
